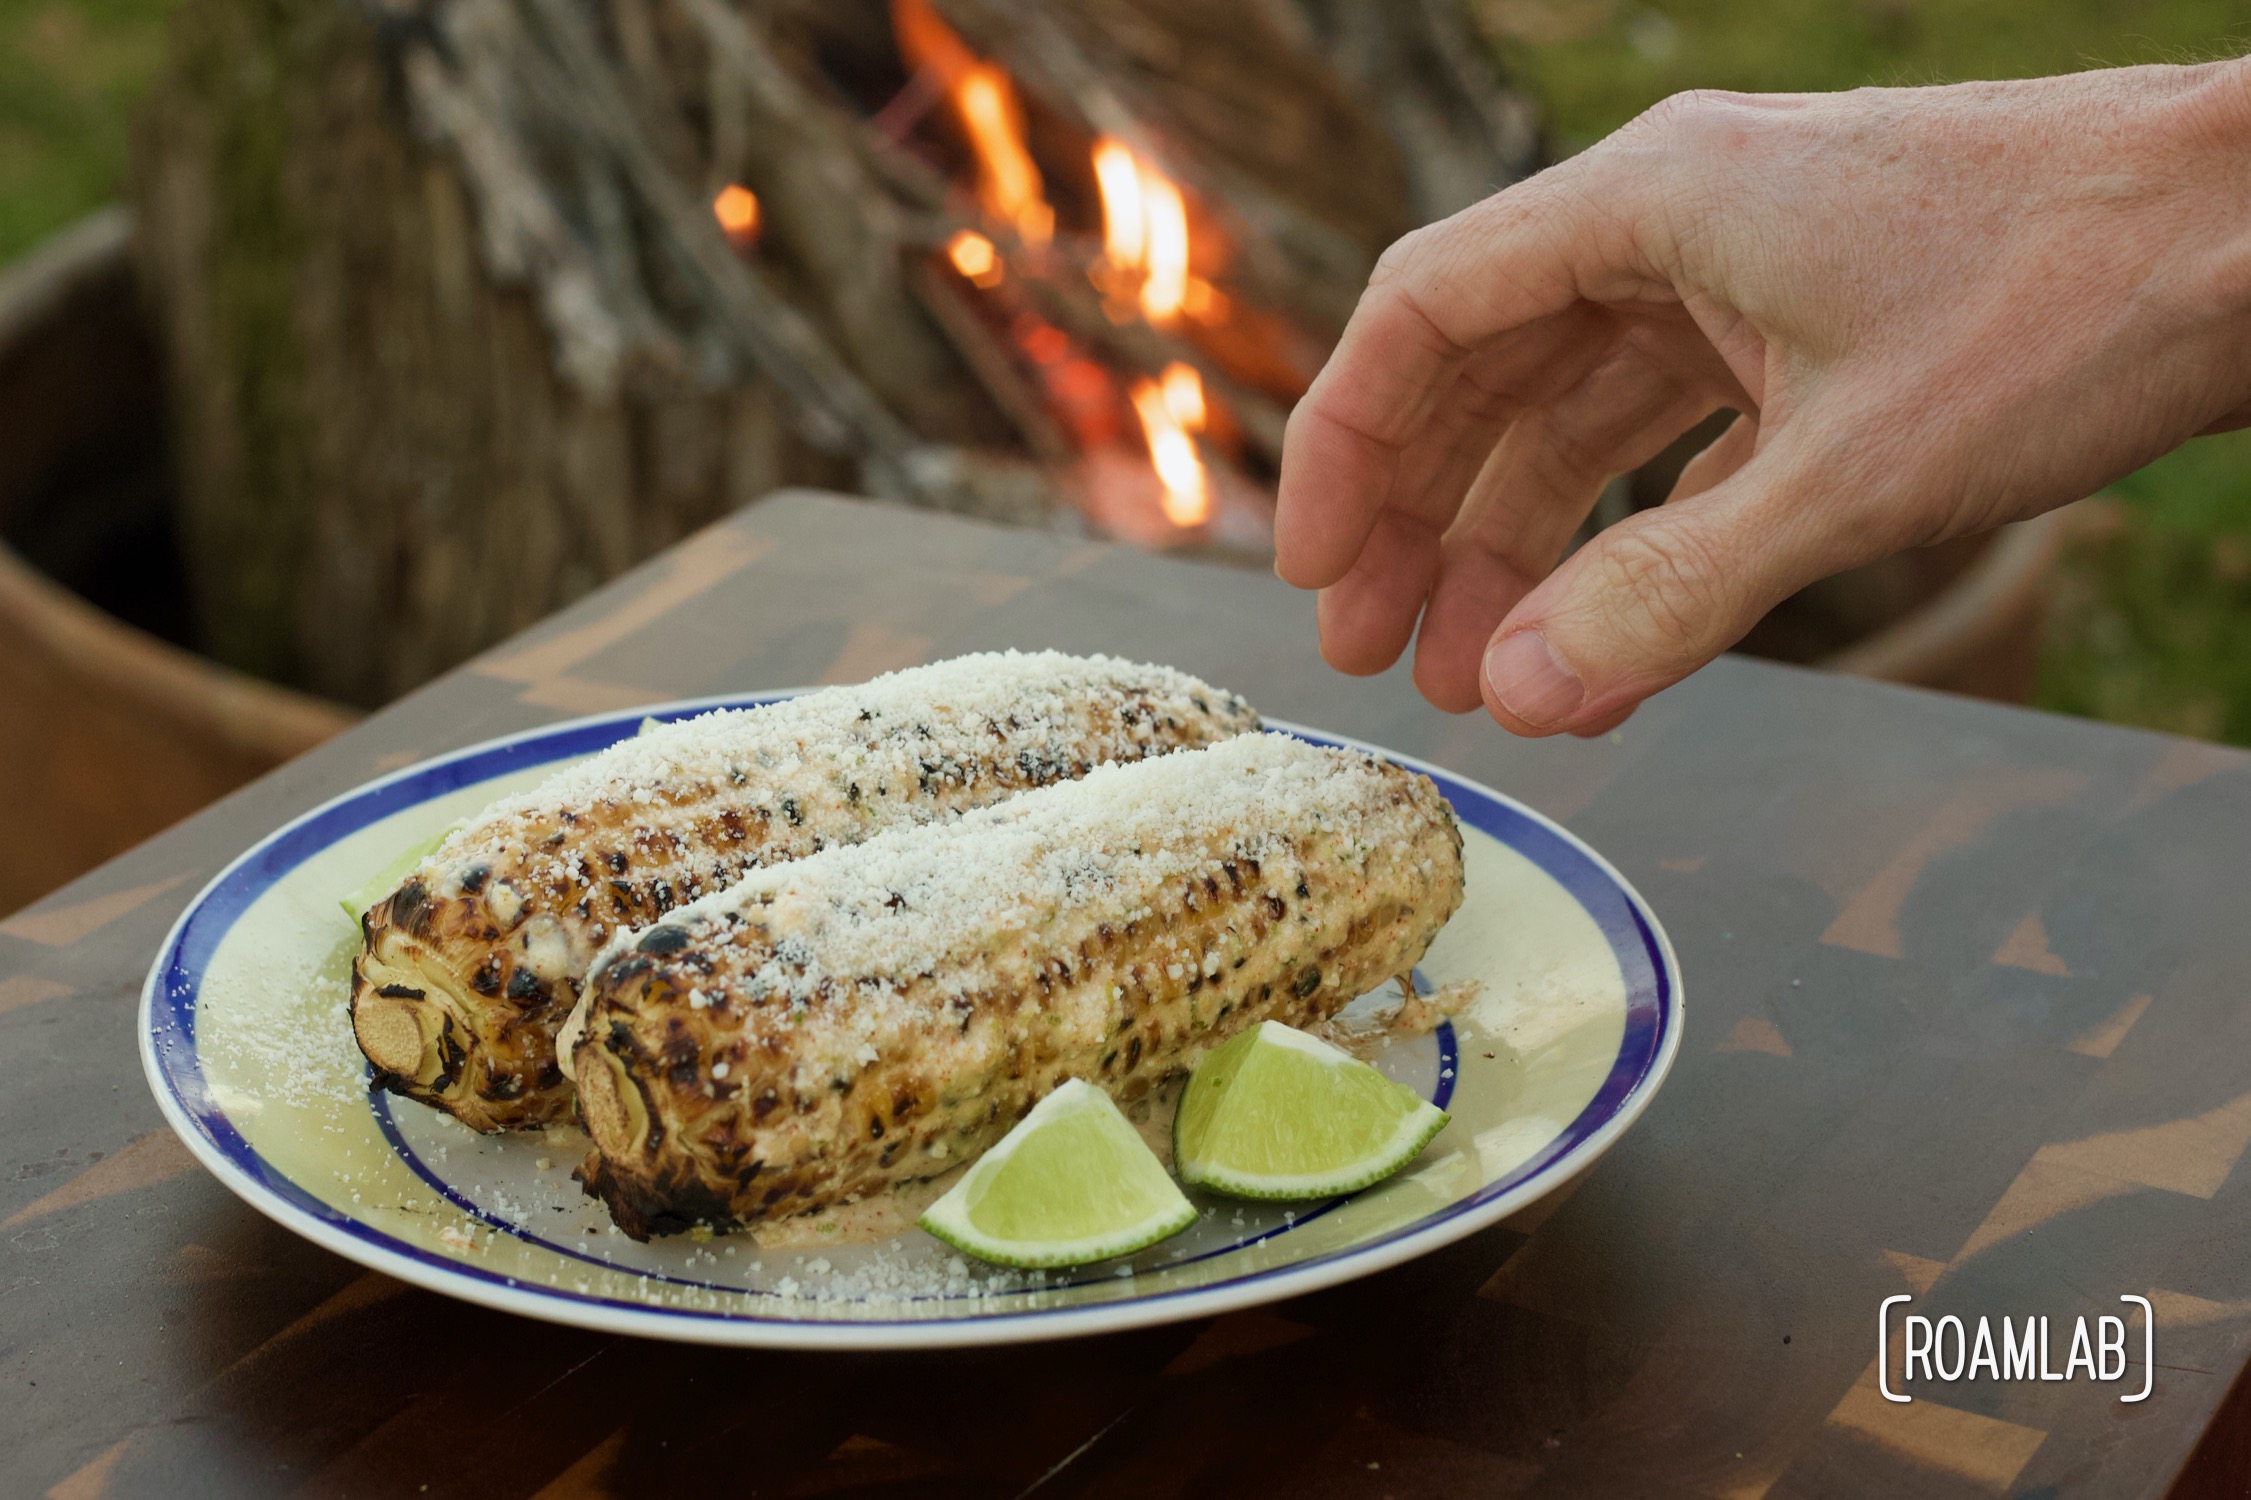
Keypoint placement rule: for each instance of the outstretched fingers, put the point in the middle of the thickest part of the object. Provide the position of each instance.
(1517, 273)
(1658, 595)
(1368, 616)
(1534, 494)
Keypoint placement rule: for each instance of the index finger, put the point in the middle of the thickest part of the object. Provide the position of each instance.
(1508, 266)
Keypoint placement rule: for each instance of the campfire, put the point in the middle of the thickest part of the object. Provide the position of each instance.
(1143, 454)
(1065, 263)
(1137, 257)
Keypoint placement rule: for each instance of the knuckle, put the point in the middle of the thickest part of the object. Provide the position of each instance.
(1684, 157)
(1403, 254)
(1483, 407)
(1502, 558)
(1668, 586)
(1692, 112)
(1568, 459)
(1706, 126)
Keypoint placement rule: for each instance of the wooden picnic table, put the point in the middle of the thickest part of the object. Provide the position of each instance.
(1969, 1019)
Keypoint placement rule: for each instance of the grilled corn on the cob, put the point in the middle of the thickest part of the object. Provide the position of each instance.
(469, 967)
(881, 1013)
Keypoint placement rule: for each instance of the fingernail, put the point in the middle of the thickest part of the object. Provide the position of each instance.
(1531, 681)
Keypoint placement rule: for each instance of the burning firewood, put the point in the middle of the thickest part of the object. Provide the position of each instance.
(472, 303)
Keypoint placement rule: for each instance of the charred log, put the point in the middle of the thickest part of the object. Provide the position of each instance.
(455, 335)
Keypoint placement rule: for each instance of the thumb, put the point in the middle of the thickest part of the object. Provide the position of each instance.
(1652, 598)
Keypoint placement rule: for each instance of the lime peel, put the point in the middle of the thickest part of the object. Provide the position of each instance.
(1275, 1113)
(1073, 1183)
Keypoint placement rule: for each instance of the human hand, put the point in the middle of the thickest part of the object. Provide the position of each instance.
(1937, 309)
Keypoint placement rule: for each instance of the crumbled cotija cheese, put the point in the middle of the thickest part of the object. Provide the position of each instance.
(899, 902)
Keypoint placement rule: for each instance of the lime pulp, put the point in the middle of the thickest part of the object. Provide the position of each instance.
(1073, 1183)
(1275, 1113)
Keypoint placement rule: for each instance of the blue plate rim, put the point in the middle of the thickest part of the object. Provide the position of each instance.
(1651, 1041)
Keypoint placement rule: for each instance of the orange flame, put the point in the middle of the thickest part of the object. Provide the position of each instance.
(974, 257)
(1008, 180)
(1145, 236)
(1167, 285)
(736, 209)
(1184, 395)
(1171, 410)
(1117, 176)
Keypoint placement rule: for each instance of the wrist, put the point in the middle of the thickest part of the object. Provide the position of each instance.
(2203, 144)
(2202, 134)
(2218, 116)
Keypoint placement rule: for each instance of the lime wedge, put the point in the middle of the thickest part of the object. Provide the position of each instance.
(1275, 1113)
(386, 880)
(1071, 1184)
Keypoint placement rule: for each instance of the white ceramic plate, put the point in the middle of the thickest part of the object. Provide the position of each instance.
(1575, 1019)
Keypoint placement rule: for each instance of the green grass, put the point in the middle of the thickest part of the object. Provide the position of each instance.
(69, 70)
(2152, 624)
(2153, 621)
(1598, 63)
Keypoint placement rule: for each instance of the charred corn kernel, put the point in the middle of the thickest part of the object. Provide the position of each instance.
(876, 1014)
(468, 968)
